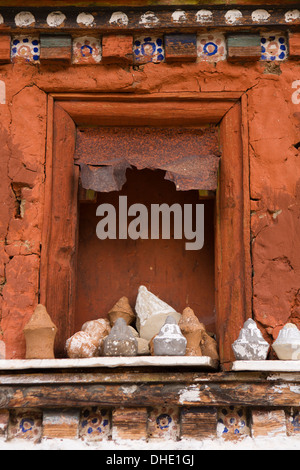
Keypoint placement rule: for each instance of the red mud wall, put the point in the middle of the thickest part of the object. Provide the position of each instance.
(274, 125)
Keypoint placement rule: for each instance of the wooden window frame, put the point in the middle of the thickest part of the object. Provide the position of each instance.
(233, 283)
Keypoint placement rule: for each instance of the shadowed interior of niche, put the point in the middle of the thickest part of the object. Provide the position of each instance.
(111, 268)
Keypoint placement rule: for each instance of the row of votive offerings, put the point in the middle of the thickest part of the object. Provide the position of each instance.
(251, 346)
(210, 47)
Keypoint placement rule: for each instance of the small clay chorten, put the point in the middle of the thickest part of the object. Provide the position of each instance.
(123, 310)
(209, 346)
(40, 334)
(120, 341)
(169, 341)
(193, 330)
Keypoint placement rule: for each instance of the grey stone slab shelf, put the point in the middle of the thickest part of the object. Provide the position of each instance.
(204, 362)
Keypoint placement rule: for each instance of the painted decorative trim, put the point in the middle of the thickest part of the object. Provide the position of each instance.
(211, 47)
(86, 50)
(273, 46)
(137, 19)
(148, 49)
(25, 48)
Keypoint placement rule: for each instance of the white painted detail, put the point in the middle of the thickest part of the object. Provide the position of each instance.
(178, 16)
(204, 16)
(260, 16)
(55, 18)
(292, 15)
(2, 92)
(296, 94)
(120, 18)
(189, 394)
(149, 19)
(1, 19)
(85, 19)
(233, 16)
(128, 390)
(24, 18)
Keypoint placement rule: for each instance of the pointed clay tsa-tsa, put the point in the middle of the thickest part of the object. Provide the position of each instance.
(152, 313)
(250, 345)
(287, 344)
(193, 330)
(169, 341)
(121, 309)
(40, 334)
(120, 341)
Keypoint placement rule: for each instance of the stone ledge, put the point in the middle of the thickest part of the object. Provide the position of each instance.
(266, 366)
(204, 362)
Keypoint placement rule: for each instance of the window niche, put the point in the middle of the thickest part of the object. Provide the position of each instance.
(227, 257)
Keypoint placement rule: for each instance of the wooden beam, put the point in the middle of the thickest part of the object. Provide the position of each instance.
(180, 47)
(205, 392)
(55, 49)
(294, 45)
(233, 273)
(58, 257)
(198, 422)
(5, 49)
(244, 47)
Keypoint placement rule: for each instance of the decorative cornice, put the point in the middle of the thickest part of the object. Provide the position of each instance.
(141, 19)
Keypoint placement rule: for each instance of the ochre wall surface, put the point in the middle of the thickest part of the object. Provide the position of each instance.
(274, 125)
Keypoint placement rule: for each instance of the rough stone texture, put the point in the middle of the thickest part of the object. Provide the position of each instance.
(273, 128)
(152, 313)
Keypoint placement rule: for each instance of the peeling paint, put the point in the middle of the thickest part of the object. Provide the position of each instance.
(204, 16)
(260, 16)
(56, 18)
(120, 18)
(129, 390)
(149, 19)
(24, 18)
(86, 19)
(189, 394)
(233, 16)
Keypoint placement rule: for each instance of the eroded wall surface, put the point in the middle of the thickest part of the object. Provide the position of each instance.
(273, 94)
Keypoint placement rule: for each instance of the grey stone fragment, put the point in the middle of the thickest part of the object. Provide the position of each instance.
(169, 341)
(120, 341)
(250, 345)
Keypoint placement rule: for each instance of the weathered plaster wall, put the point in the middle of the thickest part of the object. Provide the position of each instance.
(274, 123)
